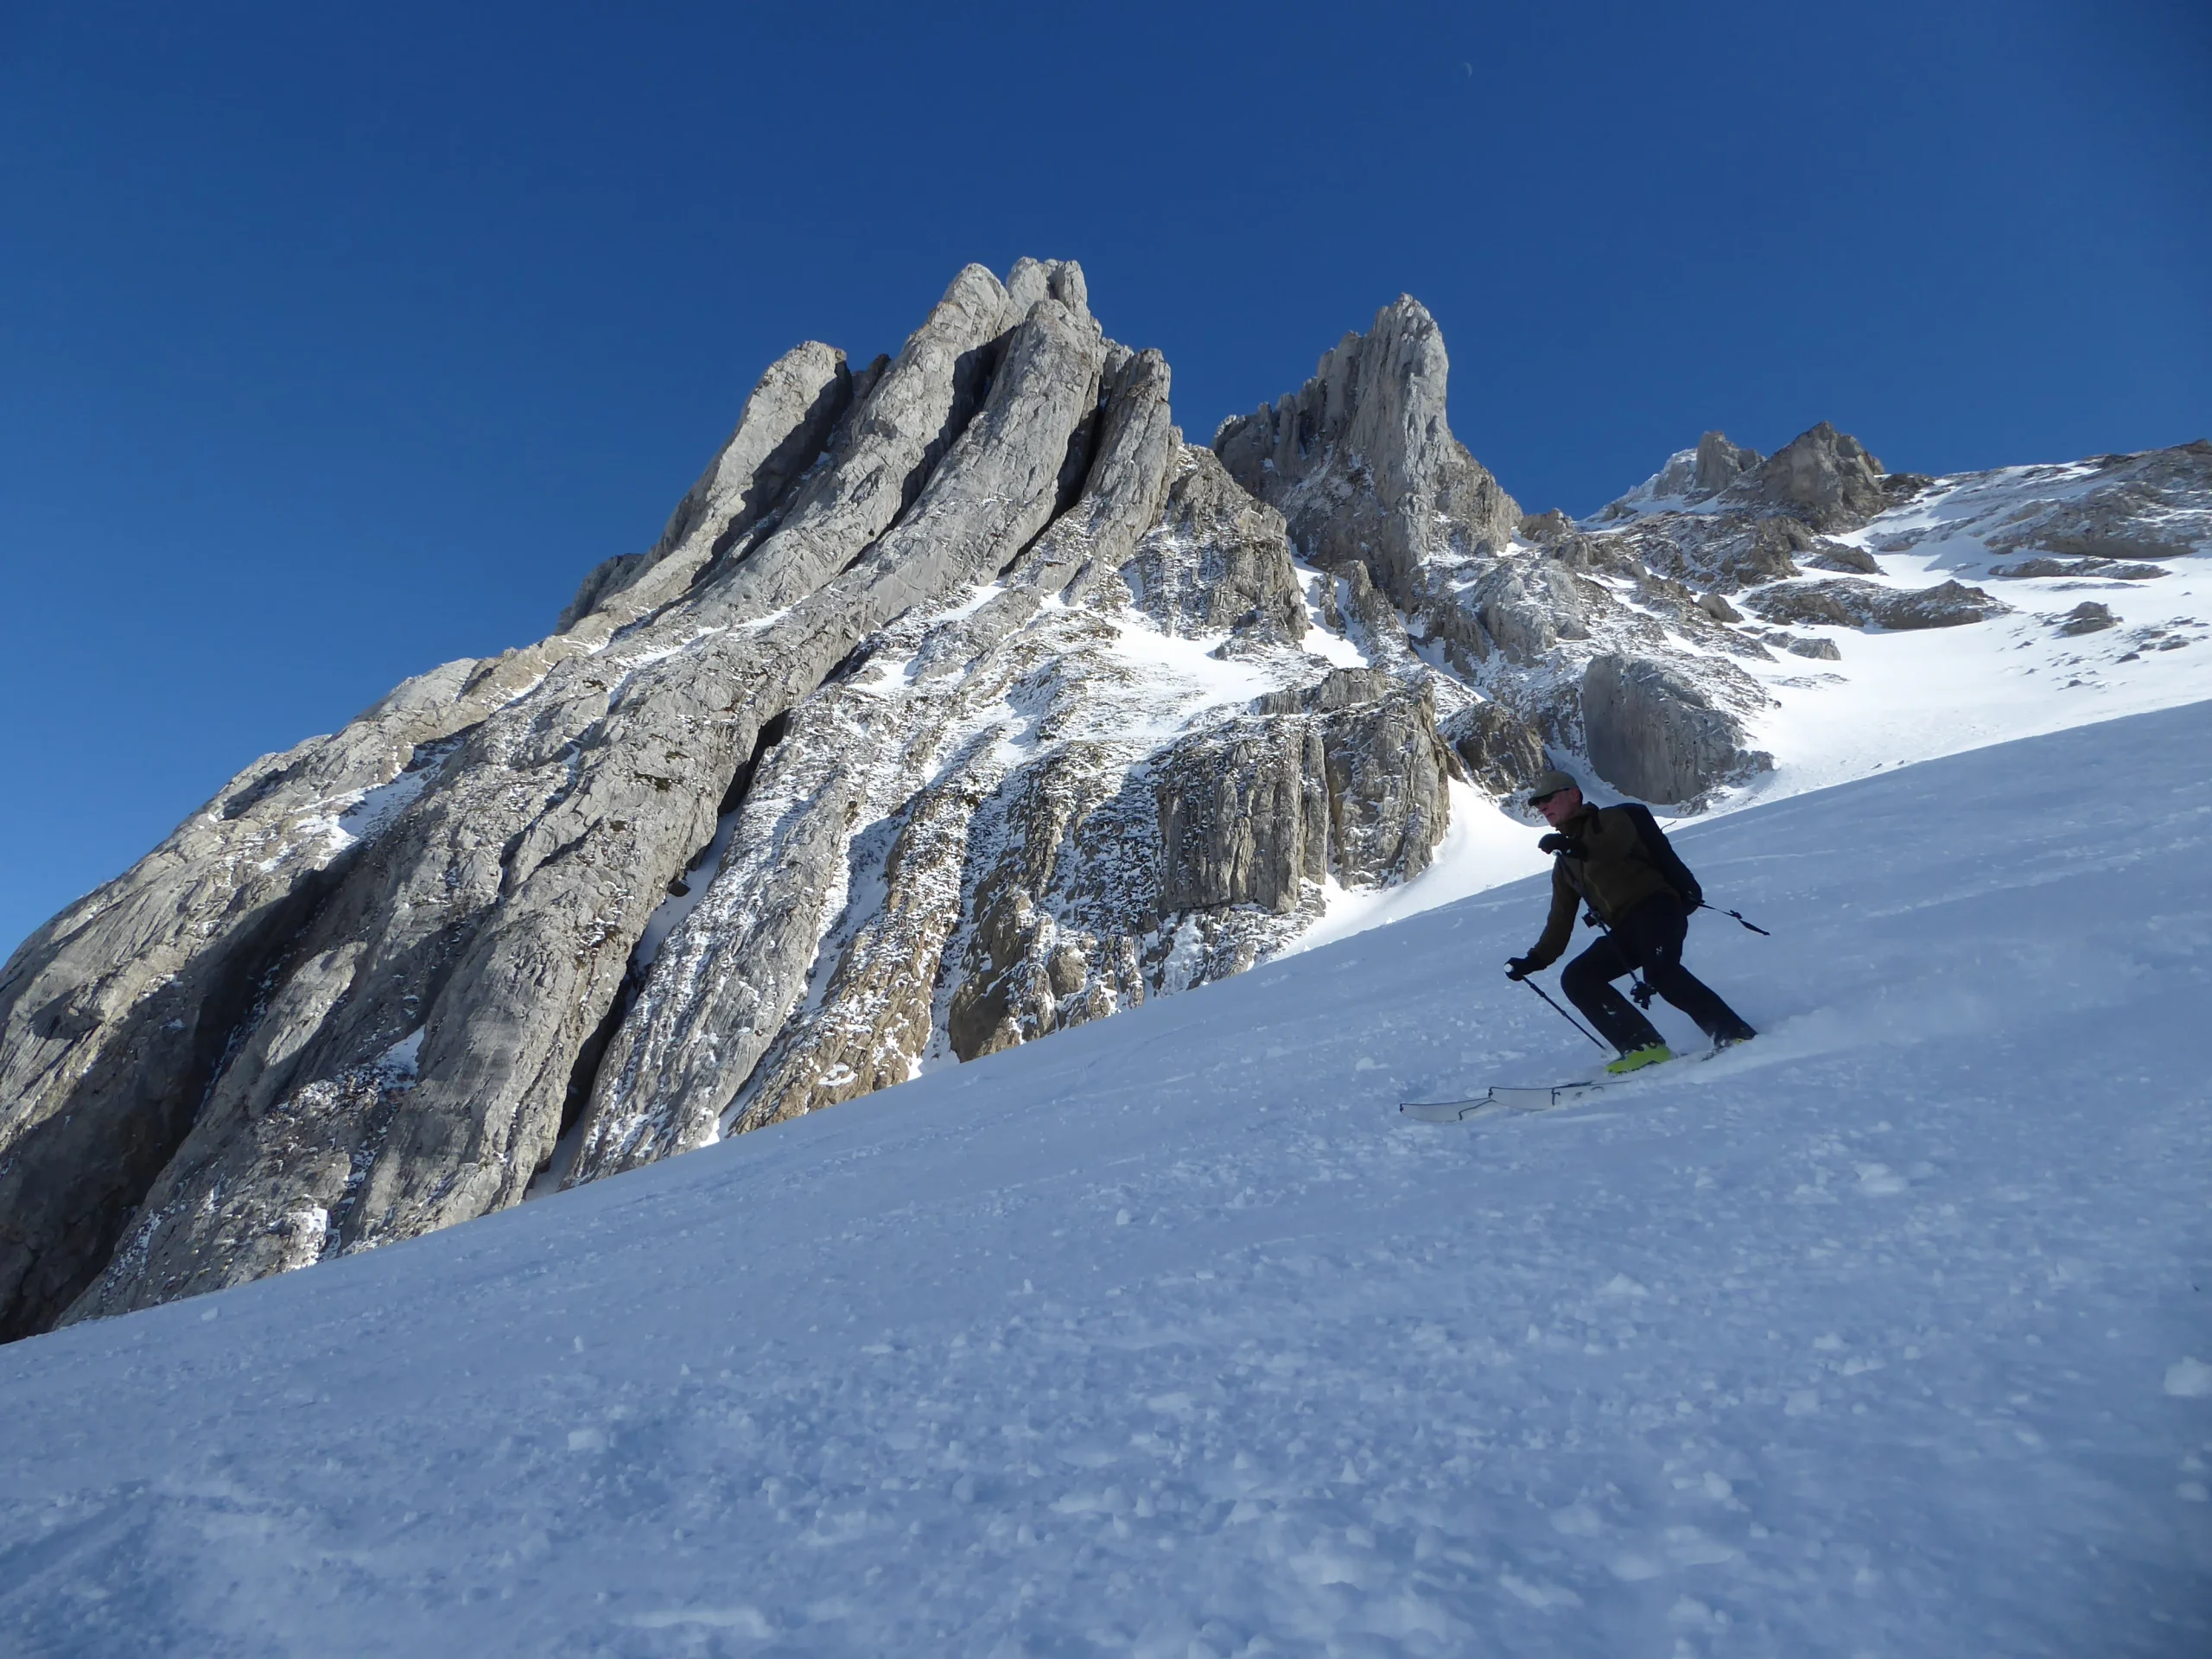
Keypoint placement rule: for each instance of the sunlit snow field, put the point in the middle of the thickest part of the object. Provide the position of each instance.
(1169, 1336)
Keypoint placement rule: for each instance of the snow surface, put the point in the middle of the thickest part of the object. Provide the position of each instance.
(1885, 1334)
(1321, 640)
(1895, 698)
(1182, 679)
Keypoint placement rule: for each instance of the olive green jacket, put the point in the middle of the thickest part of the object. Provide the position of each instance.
(1626, 861)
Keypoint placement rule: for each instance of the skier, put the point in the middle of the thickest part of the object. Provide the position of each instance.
(1616, 859)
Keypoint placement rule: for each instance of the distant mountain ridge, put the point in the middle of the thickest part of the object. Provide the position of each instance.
(961, 701)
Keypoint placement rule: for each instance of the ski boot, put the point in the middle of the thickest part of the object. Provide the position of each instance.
(1637, 1059)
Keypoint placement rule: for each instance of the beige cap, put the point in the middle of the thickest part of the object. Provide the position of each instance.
(1550, 784)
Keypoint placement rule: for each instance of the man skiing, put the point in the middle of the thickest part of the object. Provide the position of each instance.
(1616, 859)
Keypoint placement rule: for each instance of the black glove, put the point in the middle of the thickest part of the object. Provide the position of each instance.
(1567, 844)
(1520, 968)
(1693, 903)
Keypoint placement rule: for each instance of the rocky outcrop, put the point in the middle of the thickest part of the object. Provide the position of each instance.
(1217, 559)
(483, 933)
(1818, 648)
(1825, 504)
(835, 811)
(1362, 461)
(1501, 751)
(2087, 617)
(1527, 606)
(1836, 555)
(2081, 570)
(786, 425)
(116, 1015)
(1538, 529)
(1825, 477)
(1720, 518)
(2156, 505)
(1721, 554)
(492, 927)
(1658, 735)
(1363, 466)
(1688, 477)
(1053, 836)
(1720, 463)
(1717, 606)
(1846, 602)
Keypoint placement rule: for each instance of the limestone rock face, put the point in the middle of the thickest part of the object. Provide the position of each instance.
(2157, 505)
(410, 965)
(1363, 461)
(115, 1015)
(786, 424)
(1386, 769)
(1501, 753)
(1720, 463)
(1371, 485)
(1656, 733)
(1006, 818)
(1218, 558)
(958, 702)
(491, 928)
(834, 804)
(1825, 477)
(1846, 602)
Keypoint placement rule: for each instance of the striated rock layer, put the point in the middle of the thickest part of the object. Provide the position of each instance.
(960, 700)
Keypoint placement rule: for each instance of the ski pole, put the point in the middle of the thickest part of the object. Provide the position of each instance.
(1738, 915)
(1562, 1013)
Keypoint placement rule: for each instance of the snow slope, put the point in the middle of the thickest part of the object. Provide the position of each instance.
(1885, 1335)
(1895, 698)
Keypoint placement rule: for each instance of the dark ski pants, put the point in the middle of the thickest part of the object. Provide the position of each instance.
(1650, 938)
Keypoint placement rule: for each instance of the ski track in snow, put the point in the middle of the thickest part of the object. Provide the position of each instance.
(1885, 1334)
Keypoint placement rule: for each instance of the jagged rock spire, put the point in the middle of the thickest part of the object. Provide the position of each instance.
(1362, 459)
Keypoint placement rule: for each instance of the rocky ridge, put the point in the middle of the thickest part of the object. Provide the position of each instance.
(959, 702)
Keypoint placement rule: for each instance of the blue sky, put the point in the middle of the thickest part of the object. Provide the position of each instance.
(338, 342)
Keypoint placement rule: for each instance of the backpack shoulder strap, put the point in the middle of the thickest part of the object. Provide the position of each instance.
(1660, 852)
